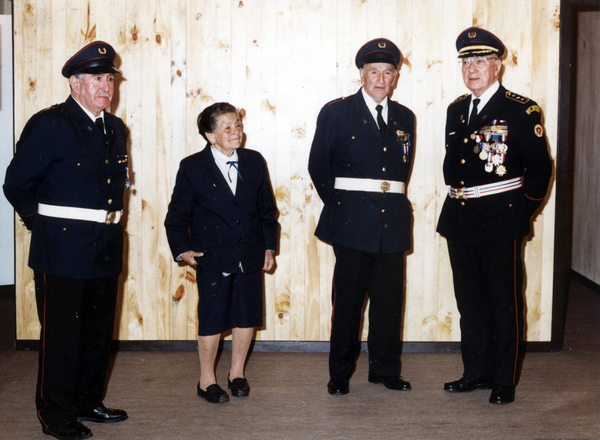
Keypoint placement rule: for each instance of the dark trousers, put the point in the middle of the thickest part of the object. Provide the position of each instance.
(77, 318)
(488, 284)
(380, 275)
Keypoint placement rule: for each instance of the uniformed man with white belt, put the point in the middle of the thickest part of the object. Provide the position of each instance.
(497, 169)
(66, 181)
(359, 162)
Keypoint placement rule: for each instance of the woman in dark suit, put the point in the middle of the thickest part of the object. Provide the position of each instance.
(222, 221)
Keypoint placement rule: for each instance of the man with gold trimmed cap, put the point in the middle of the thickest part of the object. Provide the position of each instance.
(359, 162)
(66, 182)
(497, 169)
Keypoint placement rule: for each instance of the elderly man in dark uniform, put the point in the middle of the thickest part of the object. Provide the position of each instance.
(497, 168)
(360, 162)
(66, 182)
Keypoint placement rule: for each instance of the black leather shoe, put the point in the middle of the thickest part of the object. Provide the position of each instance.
(502, 394)
(464, 384)
(102, 414)
(213, 394)
(67, 429)
(338, 387)
(391, 382)
(239, 386)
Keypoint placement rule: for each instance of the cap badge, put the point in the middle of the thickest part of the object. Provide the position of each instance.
(381, 45)
(472, 34)
(102, 50)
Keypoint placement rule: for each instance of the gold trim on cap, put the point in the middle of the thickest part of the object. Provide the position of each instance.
(476, 49)
(472, 34)
(381, 45)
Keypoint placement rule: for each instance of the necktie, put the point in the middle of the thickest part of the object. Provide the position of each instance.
(100, 124)
(474, 110)
(382, 126)
(233, 163)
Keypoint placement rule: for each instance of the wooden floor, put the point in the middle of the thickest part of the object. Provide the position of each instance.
(558, 397)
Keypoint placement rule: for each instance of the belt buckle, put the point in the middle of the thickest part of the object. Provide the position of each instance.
(460, 193)
(110, 217)
(385, 186)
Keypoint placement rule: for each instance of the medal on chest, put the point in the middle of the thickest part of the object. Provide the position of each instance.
(491, 146)
(404, 139)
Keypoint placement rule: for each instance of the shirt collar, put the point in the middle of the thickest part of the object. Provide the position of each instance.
(486, 96)
(371, 102)
(221, 157)
(89, 113)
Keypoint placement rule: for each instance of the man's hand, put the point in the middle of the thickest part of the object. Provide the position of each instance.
(188, 257)
(269, 260)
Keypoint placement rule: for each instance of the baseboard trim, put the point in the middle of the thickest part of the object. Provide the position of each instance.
(585, 281)
(279, 346)
(7, 290)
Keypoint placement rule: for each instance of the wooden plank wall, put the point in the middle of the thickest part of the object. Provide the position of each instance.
(280, 60)
(586, 209)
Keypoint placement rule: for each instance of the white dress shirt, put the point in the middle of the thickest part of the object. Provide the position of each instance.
(229, 171)
(371, 104)
(484, 98)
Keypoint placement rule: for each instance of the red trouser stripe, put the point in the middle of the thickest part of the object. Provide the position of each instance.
(516, 310)
(43, 357)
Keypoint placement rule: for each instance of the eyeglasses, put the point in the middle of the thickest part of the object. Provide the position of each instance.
(478, 62)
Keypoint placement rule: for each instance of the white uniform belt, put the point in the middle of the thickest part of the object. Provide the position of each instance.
(70, 212)
(475, 192)
(369, 185)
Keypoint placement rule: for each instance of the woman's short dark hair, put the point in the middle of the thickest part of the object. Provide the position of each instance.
(207, 119)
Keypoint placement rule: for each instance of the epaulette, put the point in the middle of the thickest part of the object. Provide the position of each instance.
(460, 98)
(48, 108)
(515, 97)
(336, 100)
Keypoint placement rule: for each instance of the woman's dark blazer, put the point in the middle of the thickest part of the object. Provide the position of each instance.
(205, 216)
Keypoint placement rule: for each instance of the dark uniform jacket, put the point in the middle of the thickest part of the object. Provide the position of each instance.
(62, 159)
(348, 143)
(227, 228)
(499, 216)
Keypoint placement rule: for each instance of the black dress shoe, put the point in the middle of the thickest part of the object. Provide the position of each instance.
(239, 387)
(464, 384)
(502, 394)
(391, 382)
(102, 414)
(67, 429)
(213, 394)
(338, 387)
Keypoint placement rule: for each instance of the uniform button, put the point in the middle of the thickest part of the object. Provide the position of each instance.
(462, 161)
(353, 137)
(383, 210)
(384, 148)
(383, 169)
(110, 201)
(106, 161)
(462, 183)
(466, 140)
(108, 180)
(462, 203)
(238, 222)
(78, 164)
